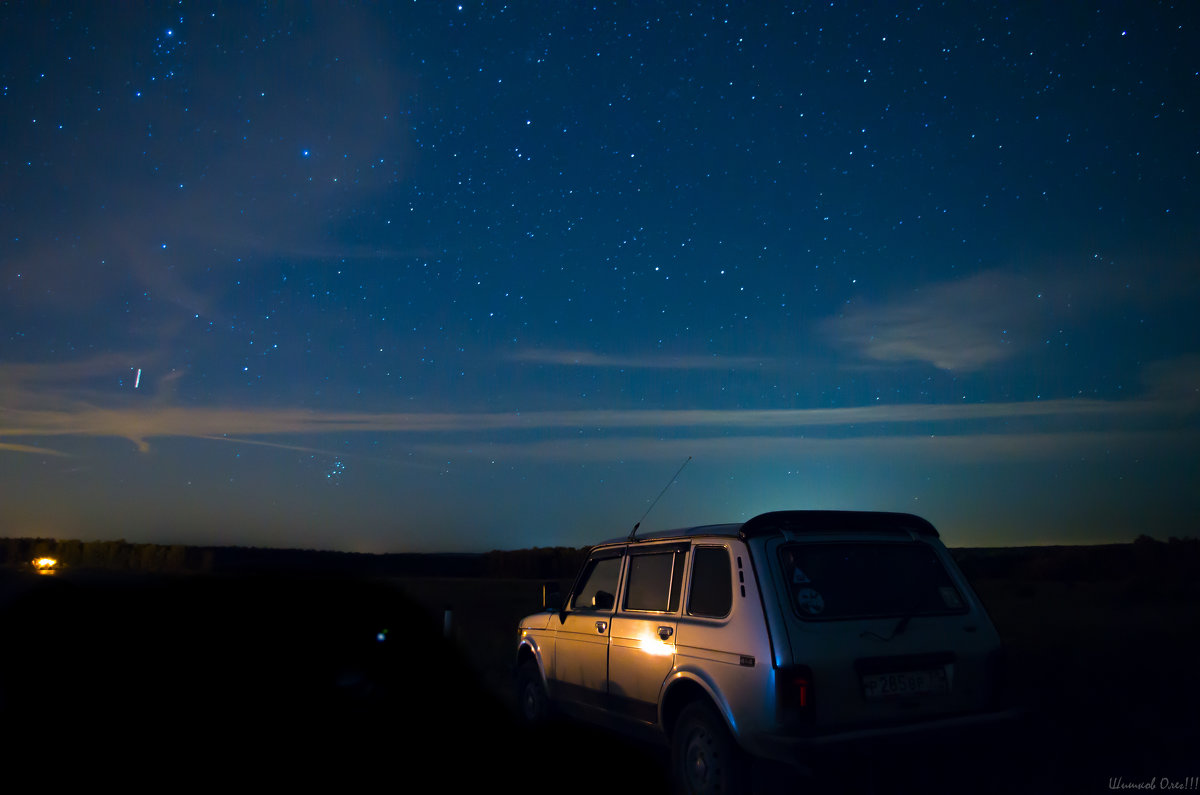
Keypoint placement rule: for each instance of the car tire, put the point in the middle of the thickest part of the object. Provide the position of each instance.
(704, 756)
(533, 703)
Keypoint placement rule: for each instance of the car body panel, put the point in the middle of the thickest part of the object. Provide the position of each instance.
(639, 662)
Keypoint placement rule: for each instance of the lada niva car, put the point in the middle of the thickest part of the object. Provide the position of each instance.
(794, 631)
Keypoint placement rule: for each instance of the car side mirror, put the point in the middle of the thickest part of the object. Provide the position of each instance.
(551, 596)
(603, 600)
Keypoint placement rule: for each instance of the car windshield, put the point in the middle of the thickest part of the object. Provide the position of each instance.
(867, 579)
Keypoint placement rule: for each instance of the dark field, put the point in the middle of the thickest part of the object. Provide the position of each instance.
(1105, 668)
(286, 679)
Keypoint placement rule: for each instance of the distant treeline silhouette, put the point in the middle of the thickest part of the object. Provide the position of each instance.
(121, 555)
(543, 563)
(1173, 561)
(111, 555)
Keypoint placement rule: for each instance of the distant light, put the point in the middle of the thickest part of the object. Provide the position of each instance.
(45, 565)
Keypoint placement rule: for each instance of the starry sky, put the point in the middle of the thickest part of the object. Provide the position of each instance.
(439, 276)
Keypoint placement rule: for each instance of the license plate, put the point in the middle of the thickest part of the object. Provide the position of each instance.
(906, 683)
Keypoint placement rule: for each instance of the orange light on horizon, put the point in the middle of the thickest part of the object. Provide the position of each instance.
(45, 565)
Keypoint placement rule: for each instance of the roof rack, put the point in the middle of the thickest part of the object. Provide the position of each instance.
(834, 521)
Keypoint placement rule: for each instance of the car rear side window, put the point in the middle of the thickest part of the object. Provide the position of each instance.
(654, 581)
(867, 579)
(711, 592)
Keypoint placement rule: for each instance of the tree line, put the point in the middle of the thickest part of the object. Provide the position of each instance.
(121, 555)
(1175, 560)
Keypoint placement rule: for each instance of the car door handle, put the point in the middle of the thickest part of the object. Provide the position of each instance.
(601, 626)
(665, 632)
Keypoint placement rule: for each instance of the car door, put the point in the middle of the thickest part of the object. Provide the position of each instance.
(642, 645)
(581, 649)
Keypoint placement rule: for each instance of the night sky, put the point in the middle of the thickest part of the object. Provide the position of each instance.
(431, 276)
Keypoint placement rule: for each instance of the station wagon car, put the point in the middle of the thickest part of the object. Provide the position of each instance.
(792, 632)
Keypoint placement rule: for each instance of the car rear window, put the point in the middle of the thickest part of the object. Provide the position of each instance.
(866, 579)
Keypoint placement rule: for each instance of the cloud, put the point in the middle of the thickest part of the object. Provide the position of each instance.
(963, 325)
(39, 401)
(568, 358)
(139, 424)
(1174, 379)
(327, 139)
(959, 449)
(105, 364)
(28, 448)
(67, 387)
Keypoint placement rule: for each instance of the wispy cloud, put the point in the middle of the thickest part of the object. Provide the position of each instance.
(959, 449)
(78, 386)
(29, 448)
(962, 325)
(569, 358)
(37, 402)
(233, 202)
(140, 424)
(1175, 379)
(13, 373)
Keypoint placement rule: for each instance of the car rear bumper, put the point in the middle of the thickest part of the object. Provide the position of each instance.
(793, 748)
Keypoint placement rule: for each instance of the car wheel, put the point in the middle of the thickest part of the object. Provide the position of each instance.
(704, 756)
(533, 703)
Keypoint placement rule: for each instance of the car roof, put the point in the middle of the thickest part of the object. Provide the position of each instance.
(728, 530)
(795, 522)
(836, 522)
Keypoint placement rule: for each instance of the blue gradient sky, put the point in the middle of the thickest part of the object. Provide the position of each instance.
(463, 277)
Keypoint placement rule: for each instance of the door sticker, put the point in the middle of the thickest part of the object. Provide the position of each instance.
(809, 601)
(950, 597)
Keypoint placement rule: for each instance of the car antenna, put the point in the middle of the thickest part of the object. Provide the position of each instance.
(638, 523)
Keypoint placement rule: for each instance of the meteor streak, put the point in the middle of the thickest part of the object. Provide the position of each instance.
(138, 379)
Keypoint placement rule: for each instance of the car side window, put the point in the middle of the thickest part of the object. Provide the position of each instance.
(598, 587)
(654, 581)
(711, 592)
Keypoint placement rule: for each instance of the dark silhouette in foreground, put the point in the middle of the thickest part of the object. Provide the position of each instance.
(292, 677)
(288, 674)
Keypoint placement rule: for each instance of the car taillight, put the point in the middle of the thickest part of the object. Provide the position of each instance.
(794, 694)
